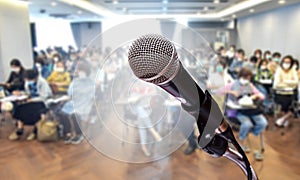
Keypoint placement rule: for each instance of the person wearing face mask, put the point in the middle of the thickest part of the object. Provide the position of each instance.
(251, 119)
(285, 84)
(15, 82)
(37, 90)
(231, 51)
(275, 62)
(237, 63)
(267, 55)
(59, 79)
(81, 93)
(220, 77)
(257, 55)
(264, 81)
(218, 80)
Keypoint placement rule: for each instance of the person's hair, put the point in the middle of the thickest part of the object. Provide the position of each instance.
(40, 60)
(84, 66)
(16, 62)
(267, 52)
(233, 46)
(241, 51)
(257, 51)
(57, 55)
(253, 59)
(244, 72)
(276, 54)
(287, 57)
(261, 62)
(223, 63)
(31, 74)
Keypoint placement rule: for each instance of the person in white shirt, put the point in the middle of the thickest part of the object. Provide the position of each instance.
(285, 83)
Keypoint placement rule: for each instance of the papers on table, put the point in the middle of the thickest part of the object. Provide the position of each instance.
(265, 81)
(233, 105)
(57, 100)
(14, 98)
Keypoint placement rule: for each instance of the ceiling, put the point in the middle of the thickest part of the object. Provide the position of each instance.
(192, 10)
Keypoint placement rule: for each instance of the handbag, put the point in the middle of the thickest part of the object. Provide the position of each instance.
(47, 129)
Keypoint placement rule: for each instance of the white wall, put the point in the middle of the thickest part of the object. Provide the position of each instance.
(15, 39)
(276, 30)
(53, 32)
(85, 32)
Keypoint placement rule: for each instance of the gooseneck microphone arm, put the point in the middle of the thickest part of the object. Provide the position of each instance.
(153, 59)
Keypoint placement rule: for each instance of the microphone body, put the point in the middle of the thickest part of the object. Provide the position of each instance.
(202, 107)
(153, 59)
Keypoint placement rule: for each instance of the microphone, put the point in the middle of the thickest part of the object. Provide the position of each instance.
(153, 58)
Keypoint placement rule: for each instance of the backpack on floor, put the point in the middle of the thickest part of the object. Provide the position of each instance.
(47, 128)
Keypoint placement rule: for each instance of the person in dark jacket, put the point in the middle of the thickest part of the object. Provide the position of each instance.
(15, 81)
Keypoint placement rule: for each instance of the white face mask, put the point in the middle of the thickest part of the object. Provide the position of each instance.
(15, 70)
(263, 67)
(59, 69)
(244, 81)
(55, 59)
(81, 74)
(38, 65)
(286, 65)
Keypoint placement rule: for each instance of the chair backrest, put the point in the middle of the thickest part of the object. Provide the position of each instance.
(30, 113)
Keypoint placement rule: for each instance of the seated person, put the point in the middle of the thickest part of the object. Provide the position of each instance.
(264, 81)
(286, 77)
(237, 90)
(37, 90)
(59, 79)
(237, 63)
(15, 81)
(81, 97)
(41, 67)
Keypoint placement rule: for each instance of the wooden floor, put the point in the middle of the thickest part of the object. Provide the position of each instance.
(33, 160)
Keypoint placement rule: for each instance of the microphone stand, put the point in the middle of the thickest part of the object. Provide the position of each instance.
(217, 145)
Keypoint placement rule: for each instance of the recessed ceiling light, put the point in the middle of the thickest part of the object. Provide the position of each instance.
(115, 2)
(251, 10)
(124, 9)
(205, 8)
(164, 8)
(53, 3)
(165, 1)
(216, 1)
(79, 12)
(281, 1)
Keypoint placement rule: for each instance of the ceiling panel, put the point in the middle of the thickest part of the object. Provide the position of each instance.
(59, 9)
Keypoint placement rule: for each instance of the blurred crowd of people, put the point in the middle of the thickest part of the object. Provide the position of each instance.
(253, 87)
(266, 77)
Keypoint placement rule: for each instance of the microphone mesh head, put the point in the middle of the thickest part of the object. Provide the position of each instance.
(153, 58)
